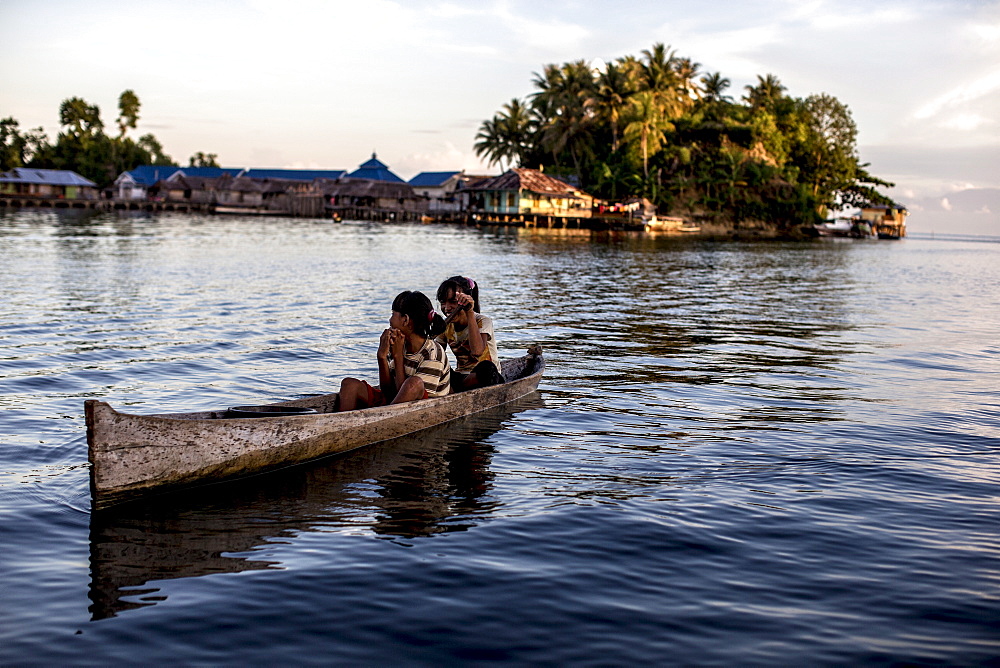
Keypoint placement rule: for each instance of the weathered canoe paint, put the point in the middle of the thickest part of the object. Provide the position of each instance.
(131, 455)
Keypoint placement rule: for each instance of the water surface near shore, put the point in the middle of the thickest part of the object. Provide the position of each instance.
(772, 453)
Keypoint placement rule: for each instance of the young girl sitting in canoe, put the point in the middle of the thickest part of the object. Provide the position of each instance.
(469, 334)
(411, 364)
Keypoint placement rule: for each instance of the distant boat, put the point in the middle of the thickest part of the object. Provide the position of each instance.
(247, 210)
(662, 223)
(855, 228)
(838, 227)
(669, 224)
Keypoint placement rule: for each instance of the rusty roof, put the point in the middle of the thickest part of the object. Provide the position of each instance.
(531, 180)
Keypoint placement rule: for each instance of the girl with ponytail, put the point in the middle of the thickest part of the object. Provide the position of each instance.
(469, 335)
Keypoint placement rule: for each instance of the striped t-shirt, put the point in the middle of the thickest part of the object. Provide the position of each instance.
(430, 364)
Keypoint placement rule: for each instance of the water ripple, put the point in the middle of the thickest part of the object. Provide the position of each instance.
(761, 453)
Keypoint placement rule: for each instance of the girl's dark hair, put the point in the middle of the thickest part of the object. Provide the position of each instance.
(418, 307)
(459, 284)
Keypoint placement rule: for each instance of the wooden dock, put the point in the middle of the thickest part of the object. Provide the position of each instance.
(544, 222)
(37, 202)
(314, 207)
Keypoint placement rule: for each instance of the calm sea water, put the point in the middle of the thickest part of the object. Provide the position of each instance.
(741, 453)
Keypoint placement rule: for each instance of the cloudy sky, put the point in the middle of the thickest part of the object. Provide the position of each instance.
(323, 83)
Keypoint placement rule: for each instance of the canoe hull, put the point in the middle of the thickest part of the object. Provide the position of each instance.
(132, 455)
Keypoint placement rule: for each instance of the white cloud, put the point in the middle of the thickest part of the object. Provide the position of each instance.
(554, 36)
(442, 157)
(986, 35)
(959, 187)
(734, 53)
(966, 122)
(961, 95)
(945, 204)
(839, 16)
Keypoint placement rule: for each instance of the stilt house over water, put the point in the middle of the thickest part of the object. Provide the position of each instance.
(26, 183)
(888, 222)
(528, 194)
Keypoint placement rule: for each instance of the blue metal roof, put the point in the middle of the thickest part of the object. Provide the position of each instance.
(374, 163)
(375, 170)
(211, 172)
(376, 175)
(295, 174)
(431, 179)
(147, 175)
(52, 177)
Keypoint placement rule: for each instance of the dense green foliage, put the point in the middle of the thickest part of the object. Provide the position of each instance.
(651, 126)
(83, 147)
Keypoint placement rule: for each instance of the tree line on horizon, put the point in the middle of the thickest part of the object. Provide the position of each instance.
(655, 126)
(83, 146)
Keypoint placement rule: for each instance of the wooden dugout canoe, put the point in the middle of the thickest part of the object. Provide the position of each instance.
(131, 455)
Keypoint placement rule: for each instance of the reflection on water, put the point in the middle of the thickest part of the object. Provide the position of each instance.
(432, 482)
(769, 453)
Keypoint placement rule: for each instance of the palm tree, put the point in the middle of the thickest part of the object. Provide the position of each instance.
(647, 125)
(549, 83)
(657, 68)
(568, 130)
(564, 115)
(614, 85)
(714, 86)
(507, 137)
(517, 130)
(766, 93)
(490, 142)
(685, 73)
(659, 74)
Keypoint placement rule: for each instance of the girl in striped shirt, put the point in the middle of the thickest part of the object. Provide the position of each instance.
(411, 364)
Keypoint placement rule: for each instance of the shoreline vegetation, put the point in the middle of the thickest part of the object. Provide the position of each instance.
(83, 146)
(654, 126)
(651, 128)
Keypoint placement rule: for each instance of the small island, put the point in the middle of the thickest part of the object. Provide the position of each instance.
(655, 127)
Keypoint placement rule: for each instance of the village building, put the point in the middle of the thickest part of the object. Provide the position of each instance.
(368, 199)
(238, 192)
(375, 170)
(224, 191)
(135, 184)
(887, 222)
(467, 194)
(439, 189)
(372, 192)
(55, 184)
(180, 189)
(523, 194)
